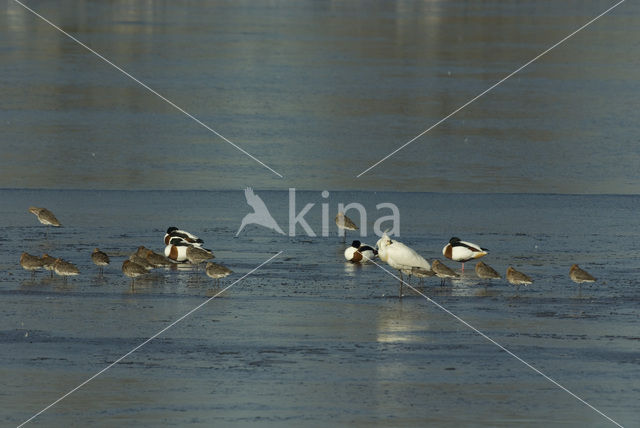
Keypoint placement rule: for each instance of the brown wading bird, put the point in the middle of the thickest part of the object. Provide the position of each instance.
(579, 276)
(157, 260)
(443, 271)
(135, 258)
(217, 271)
(45, 217)
(421, 273)
(48, 262)
(133, 270)
(65, 269)
(484, 271)
(29, 262)
(517, 278)
(344, 223)
(197, 255)
(100, 259)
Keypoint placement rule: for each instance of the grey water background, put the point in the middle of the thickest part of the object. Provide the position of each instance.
(543, 171)
(309, 339)
(319, 91)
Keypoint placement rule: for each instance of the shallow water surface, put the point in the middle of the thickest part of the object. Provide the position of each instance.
(309, 339)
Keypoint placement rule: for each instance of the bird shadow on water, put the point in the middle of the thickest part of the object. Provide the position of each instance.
(63, 285)
(35, 282)
(98, 280)
(486, 292)
(518, 297)
(214, 291)
(140, 285)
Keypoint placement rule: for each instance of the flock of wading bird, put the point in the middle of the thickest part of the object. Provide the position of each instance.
(180, 247)
(184, 247)
(408, 262)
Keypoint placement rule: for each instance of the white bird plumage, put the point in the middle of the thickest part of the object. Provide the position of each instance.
(189, 238)
(176, 250)
(463, 251)
(399, 256)
(359, 252)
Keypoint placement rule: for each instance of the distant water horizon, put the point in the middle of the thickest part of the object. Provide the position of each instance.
(365, 191)
(320, 92)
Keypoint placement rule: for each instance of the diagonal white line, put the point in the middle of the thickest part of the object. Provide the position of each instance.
(490, 88)
(153, 91)
(149, 340)
(439, 306)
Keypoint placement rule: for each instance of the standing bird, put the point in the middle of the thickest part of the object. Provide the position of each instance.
(400, 257)
(135, 258)
(579, 276)
(344, 223)
(45, 217)
(485, 271)
(359, 252)
(48, 262)
(443, 272)
(217, 271)
(99, 259)
(462, 251)
(29, 262)
(517, 278)
(197, 255)
(133, 270)
(65, 269)
(421, 273)
(157, 260)
(174, 232)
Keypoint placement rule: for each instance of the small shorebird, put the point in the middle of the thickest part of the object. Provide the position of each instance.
(100, 259)
(174, 232)
(344, 223)
(29, 262)
(517, 278)
(197, 255)
(135, 258)
(47, 262)
(45, 217)
(157, 260)
(400, 257)
(579, 276)
(133, 270)
(217, 271)
(65, 269)
(359, 252)
(462, 251)
(421, 273)
(484, 271)
(443, 272)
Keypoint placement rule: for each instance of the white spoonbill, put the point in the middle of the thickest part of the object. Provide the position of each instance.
(399, 256)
